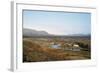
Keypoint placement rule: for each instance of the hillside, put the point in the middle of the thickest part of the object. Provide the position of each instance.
(31, 32)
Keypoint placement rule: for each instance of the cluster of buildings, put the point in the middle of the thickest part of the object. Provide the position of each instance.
(65, 46)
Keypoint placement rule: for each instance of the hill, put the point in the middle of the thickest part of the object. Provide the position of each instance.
(31, 32)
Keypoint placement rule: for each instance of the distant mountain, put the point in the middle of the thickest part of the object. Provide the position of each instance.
(31, 32)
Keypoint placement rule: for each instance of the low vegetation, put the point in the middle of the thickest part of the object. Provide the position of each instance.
(38, 49)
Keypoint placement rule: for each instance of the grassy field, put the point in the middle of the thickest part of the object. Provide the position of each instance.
(40, 49)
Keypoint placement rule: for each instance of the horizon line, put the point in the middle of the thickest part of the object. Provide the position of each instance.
(61, 34)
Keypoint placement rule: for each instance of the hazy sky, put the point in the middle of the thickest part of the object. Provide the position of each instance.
(60, 23)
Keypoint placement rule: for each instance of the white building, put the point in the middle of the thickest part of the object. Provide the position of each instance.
(75, 45)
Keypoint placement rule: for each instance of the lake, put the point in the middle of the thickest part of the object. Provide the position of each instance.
(58, 46)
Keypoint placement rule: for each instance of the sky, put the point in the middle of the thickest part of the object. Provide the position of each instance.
(59, 23)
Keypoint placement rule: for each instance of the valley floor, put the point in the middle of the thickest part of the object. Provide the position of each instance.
(40, 49)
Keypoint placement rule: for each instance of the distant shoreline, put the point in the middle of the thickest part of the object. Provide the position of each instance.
(57, 36)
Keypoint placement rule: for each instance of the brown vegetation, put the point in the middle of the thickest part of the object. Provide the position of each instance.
(35, 52)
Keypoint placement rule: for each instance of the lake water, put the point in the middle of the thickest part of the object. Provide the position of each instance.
(57, 46)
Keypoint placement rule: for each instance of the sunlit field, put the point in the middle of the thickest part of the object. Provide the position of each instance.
(38, 49)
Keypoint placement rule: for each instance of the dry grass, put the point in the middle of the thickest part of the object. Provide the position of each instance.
(34, 52)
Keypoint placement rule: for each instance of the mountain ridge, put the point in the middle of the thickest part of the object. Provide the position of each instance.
(32, 32)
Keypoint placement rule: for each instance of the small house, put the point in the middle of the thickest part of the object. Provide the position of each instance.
(75, 45)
